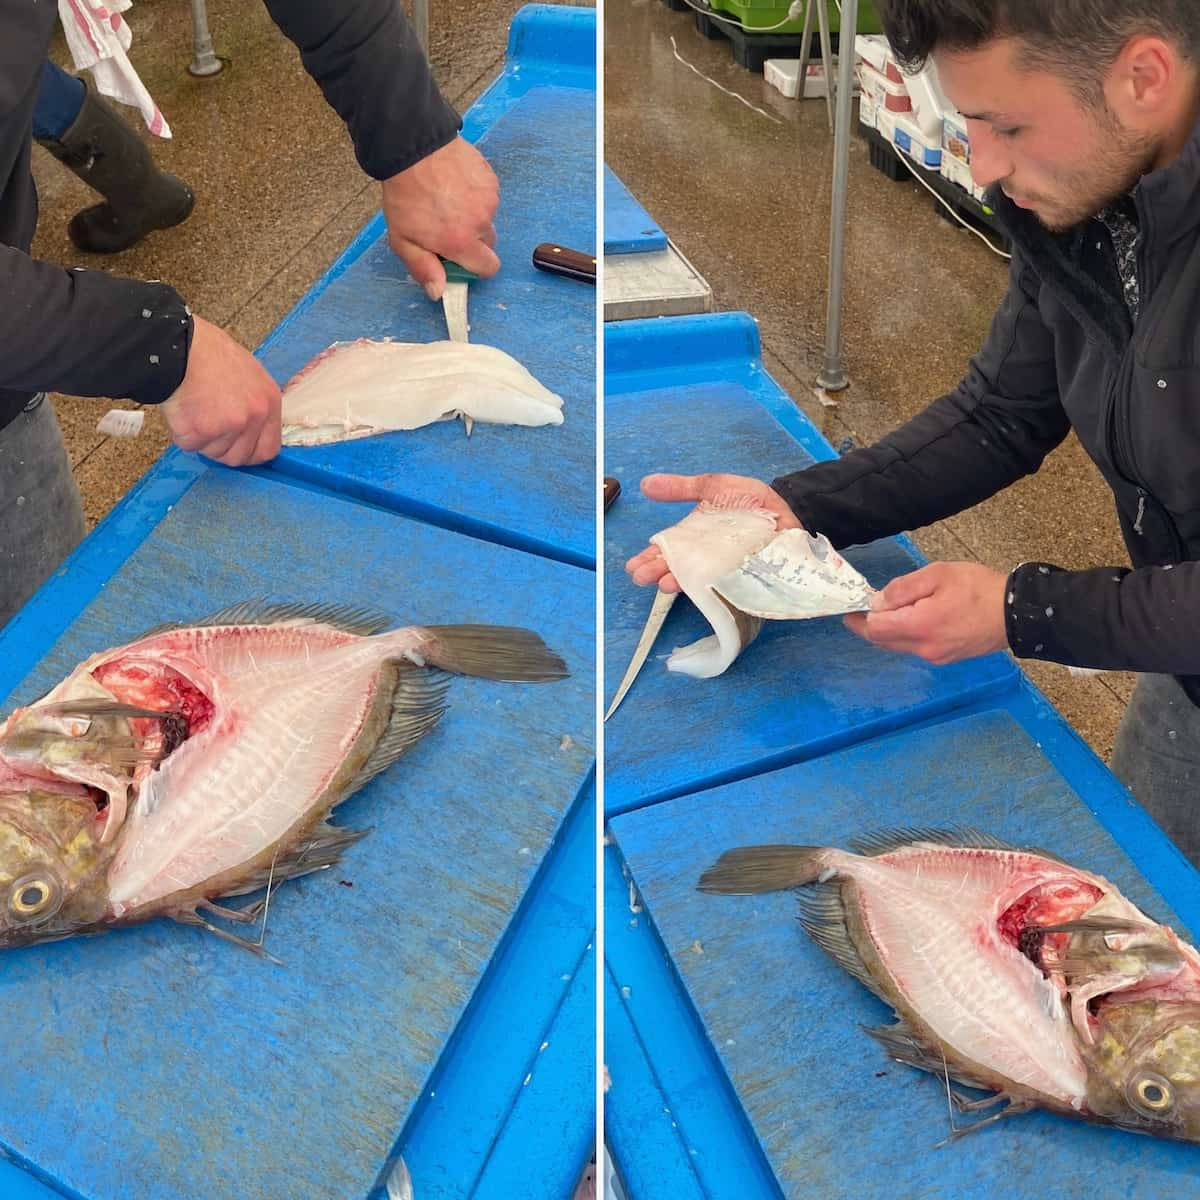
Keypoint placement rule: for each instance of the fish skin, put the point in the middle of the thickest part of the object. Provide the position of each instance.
(258, 691)
(997, 1012)
(362, 388)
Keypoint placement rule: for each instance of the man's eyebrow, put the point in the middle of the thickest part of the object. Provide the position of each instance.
(991, 117)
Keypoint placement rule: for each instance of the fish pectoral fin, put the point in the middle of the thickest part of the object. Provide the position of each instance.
(966, 1104)
(256, 948)
(1013, 1108)
(902, 1044)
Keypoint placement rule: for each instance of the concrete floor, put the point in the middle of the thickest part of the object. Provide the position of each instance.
(279, 194)
(746, 199)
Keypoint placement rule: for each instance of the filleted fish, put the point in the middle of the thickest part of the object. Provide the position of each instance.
(203, 761)
(1010, 971)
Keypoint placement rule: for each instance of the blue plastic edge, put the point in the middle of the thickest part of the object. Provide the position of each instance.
(617, 197)
(704, 348)
(478, 1071)
(555, 40)
(716, 1153)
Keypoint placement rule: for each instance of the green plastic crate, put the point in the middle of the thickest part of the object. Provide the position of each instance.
(762, 14)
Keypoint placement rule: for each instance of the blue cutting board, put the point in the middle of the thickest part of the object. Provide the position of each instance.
(628, 227)
(163, 1063)
(529, 488)
(704, 403)
(824, 1107)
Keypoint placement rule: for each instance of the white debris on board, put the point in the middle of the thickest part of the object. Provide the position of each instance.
(121, 422)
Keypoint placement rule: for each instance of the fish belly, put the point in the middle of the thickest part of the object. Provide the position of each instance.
(289, 707)
(932, 917)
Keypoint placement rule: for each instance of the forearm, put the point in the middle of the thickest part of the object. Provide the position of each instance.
(1109, 618)
(368, 62)
(88, 333)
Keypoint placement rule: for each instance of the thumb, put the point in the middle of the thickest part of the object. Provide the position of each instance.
(671, 487)
(906, 590)
(424, 267)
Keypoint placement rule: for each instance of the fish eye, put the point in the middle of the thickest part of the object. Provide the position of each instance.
(32, 896)
(1152, 1095)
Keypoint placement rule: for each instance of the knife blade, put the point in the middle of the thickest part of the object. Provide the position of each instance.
(454, 308)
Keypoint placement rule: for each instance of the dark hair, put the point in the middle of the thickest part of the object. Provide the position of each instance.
(1079, 37)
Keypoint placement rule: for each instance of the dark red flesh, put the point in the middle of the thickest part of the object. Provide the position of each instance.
(1050, 903)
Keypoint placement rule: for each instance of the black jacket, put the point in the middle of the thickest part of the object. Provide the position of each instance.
(90, 333)
(1062, 353)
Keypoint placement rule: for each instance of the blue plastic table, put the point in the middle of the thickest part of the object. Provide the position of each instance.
(739, 1071)
(440, 1005)
(689, 394)
(529, 488)
(628, 227)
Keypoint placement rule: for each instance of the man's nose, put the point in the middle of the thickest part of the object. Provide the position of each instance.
(990, 162)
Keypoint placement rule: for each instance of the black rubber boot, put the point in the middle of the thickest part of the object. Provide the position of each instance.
(110, 157)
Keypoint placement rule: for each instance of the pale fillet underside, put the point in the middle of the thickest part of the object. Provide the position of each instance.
(712, 540)
(235, 788)
(357, 389)
(931, 913)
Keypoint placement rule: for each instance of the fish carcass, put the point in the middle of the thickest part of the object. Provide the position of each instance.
(203, 760)
(362, 388)
(1010, 971)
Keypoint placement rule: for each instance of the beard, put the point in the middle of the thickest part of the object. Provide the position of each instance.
(1120, 159)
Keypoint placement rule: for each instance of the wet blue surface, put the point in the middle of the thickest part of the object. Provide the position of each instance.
(628, 227)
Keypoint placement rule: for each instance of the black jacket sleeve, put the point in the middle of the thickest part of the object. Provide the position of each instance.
(1111, 618)
(367, 60)
(89, 333)
(996, 426)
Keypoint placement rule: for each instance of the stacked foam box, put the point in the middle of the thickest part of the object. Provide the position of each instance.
(956, 154)
(904, 109)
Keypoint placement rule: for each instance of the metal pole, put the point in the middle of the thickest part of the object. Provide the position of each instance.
(420, 10)
(204, 60)
(831, 377)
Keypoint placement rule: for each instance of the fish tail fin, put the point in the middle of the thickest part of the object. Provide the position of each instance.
(749, 870)
(502, 652)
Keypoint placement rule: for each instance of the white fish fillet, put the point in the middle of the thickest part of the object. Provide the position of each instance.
(361, 388)
(713, 539)
(795, 575)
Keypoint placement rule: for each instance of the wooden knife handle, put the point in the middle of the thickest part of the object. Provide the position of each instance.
(612, 489)
(558, 260)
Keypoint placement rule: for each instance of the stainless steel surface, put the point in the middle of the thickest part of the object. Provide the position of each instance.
(832, 378)
(454, 304)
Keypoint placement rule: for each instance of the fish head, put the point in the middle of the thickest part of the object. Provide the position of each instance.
(1144, 1067)
(52, 863)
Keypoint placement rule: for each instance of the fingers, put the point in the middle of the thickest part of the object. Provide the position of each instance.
(673, 487)
(479, 257)
(425, 267)
(908, 589)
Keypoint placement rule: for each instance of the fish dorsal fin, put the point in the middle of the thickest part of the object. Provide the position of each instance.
(884, 841)
(417, 705)
(265, 611)
(823, 915)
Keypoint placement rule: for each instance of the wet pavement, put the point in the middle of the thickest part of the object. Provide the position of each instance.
(746, 197)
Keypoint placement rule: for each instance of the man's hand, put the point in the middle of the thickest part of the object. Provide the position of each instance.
(227, 407)
(444, 205)
(942, 613)
(650, 566)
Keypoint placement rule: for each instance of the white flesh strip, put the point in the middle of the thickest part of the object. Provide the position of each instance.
(357, 389)
(713, 539)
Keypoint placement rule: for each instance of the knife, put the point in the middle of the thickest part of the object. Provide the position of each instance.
(454, 307)
(654, 623)
(558, 260)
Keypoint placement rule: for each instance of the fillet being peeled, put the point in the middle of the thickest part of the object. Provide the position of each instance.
(361, 388)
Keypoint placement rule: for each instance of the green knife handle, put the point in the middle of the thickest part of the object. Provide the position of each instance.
(457, 274)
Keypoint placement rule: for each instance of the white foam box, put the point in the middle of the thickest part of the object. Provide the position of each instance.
(873, 48)
(885, 122)
(868, 112)
(955, 141)
(918, 145)
(929, 103)
(783, 74)
(957, 171)
(886, 93)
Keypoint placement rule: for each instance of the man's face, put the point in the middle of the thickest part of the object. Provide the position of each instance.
(1051, 152)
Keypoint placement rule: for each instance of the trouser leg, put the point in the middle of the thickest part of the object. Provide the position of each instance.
(1157, 757)
(41, 513)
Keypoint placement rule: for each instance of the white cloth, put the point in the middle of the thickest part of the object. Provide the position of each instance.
(98, 38)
